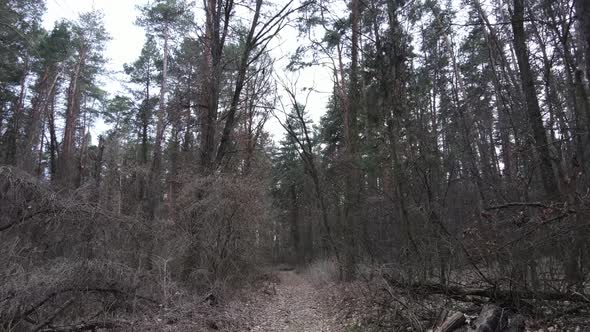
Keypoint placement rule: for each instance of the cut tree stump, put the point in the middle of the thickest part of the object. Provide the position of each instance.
(516, 324)
(491, 319)
(452, 323)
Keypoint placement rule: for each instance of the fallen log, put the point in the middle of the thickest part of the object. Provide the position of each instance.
(492, 293)
(88, 326)
(57, 312)
(563, 207)
(51, 296)
(442, 317)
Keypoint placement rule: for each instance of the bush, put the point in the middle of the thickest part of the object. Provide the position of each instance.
(227, 222)
(66, 261)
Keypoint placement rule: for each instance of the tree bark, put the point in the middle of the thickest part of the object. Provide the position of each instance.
(154, 191)
(15, 145)
(145, 121)
(352, 179)
(583, 15)
(46, 89)
(295, 225)
(239, 85)
(160, 126)
(53, 146)
(532, 103)
(65, 173)
(214, 41)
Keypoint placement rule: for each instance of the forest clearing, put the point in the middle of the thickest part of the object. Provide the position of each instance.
(295, 165)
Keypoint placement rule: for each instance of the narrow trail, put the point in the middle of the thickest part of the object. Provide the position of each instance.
(297, 307)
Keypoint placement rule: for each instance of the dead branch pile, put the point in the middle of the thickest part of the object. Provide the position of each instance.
(64, 260)
(380, 304)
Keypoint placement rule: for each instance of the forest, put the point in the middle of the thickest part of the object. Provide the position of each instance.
(445, 187)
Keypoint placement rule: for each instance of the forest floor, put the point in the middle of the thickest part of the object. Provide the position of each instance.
(297, 305)
(305, 302)
(301, 302)
(285, 301)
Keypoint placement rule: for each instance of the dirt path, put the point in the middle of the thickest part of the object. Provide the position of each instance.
(297, 307)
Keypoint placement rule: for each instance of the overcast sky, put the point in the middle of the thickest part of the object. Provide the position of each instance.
(127, 41)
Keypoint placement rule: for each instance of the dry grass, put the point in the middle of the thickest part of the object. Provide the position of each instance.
(322, 272)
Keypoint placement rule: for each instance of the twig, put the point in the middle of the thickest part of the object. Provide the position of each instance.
(57, 312)
(529, 204)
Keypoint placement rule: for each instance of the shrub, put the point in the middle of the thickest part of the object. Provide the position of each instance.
(228, 225)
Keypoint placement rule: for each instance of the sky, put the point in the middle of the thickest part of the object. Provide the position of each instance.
(127, 41)
(127, 38)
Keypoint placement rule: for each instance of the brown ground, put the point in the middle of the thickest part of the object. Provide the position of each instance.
(298, 306)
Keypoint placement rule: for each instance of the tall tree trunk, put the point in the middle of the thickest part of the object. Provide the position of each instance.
(188, 122)
(295, 236)
(15, 144)
(574, 267)
(2, 115)
(98, 167)
(508, 96)
(39, 167)
(214, 41)
(352, 181)
(583, 15)
(52, 138)
(532, 103)
(154, 190)
(145, 121)
(85, 133)
(250, 141)
(578, 102)
(239, 85)
(65, 172)
(174, 170)
(46, 86)
(160, 126)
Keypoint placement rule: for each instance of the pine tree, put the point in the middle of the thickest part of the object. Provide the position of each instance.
(89, 38)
